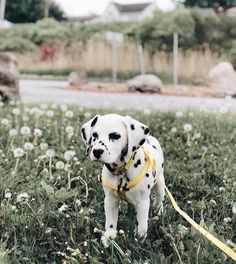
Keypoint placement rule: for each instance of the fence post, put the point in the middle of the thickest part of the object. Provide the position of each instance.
(114, 61)
(175, 59)
(141, 59)
(2, 9)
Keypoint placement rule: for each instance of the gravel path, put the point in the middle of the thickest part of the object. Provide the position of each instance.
(57, 91)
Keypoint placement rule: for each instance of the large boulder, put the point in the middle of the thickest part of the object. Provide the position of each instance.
(145, 83)
(9, 77)
(223, 77)
(77, 78)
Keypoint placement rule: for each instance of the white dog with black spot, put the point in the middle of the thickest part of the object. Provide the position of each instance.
(133, 165)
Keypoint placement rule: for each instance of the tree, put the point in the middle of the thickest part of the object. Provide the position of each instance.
(25, 11)
(210, 3)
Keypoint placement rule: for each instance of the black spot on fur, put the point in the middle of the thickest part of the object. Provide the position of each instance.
(137, 163)
(162, 165)
(83, 134)
(146, 131)
(154, 147)
(132, 127)
(155, 181)
(90, 140)
(133, 148)
(149, 186)
(142, 142)
(111, 226)
(147, 175)
(125, 188)
(94, 121)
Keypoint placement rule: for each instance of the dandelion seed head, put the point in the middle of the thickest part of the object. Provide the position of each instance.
(18, 152)
(50, 113)
(69, 130)
(22, 198)
(28, 146)
(50, 153)
(179, 114)
(5, 121)
(60, 165)
(25, 131)
(43, 146)
(187, 128)
(68, 155)
(16, 111)
(63, 208)
(69, 114)
(12, 132)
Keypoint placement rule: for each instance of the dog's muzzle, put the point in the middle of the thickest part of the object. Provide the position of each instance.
(98, 153)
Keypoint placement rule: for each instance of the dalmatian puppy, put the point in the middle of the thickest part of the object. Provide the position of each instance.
(114, 140)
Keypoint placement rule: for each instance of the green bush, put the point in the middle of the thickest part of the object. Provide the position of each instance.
(17, 44)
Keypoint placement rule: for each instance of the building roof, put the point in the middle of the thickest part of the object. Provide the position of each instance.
(130, 8)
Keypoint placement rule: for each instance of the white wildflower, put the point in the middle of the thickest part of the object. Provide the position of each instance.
(16, 111)
(25, 118)
(179, 114)
(28, 146)
(221, 189)
(44, 106)
(5, 121)
(69, 130)
(121, 231)
(25, 131)
(147, 111)
(8, 195)
(213, 202)
(87, 114)
(63, 107)
(22, 198)
(1, 104)
(43, 146)
(78, 202)
(50, 153)
(85, 243)
(54, 106)
(69, 114)
(187, 128)
(227, 220)
(50, 113)
(60, 165)
(96, 230)
(173, 130)
(197, 135)
(12, 132)
(38, 132)
(13, 208)
(18, 152)
(234, 209)
(68, 155)
(63, 208)
(223, 110)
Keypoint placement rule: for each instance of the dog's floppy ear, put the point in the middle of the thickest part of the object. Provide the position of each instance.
(87, 131)
(137, 134)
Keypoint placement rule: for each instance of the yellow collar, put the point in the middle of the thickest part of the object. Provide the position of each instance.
(121, 191)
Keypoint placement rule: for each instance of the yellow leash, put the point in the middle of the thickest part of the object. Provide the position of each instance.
(228, 251)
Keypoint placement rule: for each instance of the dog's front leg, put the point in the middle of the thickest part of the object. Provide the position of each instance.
(111, 205)
(142, 210)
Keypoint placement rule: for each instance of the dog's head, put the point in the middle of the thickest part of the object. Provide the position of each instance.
(112, 137)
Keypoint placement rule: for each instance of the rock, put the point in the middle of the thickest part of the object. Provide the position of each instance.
(145, 83)
(9, 77)
(223, 77)
(77, 78)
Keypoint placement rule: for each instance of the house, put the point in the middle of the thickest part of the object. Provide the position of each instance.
(116, 12)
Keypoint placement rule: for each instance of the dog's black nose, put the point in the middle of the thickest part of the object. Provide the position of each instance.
(98, 153)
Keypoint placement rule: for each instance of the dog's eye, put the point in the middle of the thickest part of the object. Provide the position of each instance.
(114, 136)
(95, 134)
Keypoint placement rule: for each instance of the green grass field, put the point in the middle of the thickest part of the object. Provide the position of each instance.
(51, 205)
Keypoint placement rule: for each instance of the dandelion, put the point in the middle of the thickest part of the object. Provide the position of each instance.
(1, 104)
(50, 153)
(25, 131)
(60, 165)
(18, 152)
(234, 209)
(16, 111)
(12, 132)
(63, 208)
(44, 106)
(213, 202)
(87, 114)
(28, 146)
(48, 230)
(187, 128)
(8, 195)
(50, 114)
(25, 118)
(173, 130)
(78, 202)
(5, 122)
(13, 208)
(63, 107)
(227, 220)
(69, 130)
(43, 146)
(85, 243)
(22, 198)
(38, 132)
(179, 114)
(197, 135)
(121, 231)
(68, 155)
(69, 114)
(54, 106)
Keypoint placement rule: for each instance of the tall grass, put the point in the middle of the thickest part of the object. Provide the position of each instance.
(96, 56)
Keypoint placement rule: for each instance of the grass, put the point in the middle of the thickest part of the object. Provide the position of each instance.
(62, 223)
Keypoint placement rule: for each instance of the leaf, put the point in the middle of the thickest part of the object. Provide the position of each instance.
(63, 194)
(49, 190)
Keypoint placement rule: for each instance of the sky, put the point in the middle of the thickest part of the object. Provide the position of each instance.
(84, 7)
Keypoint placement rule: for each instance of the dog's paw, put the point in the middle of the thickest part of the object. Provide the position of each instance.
(109, 234)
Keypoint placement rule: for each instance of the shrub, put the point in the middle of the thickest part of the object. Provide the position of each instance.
(17, 44)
